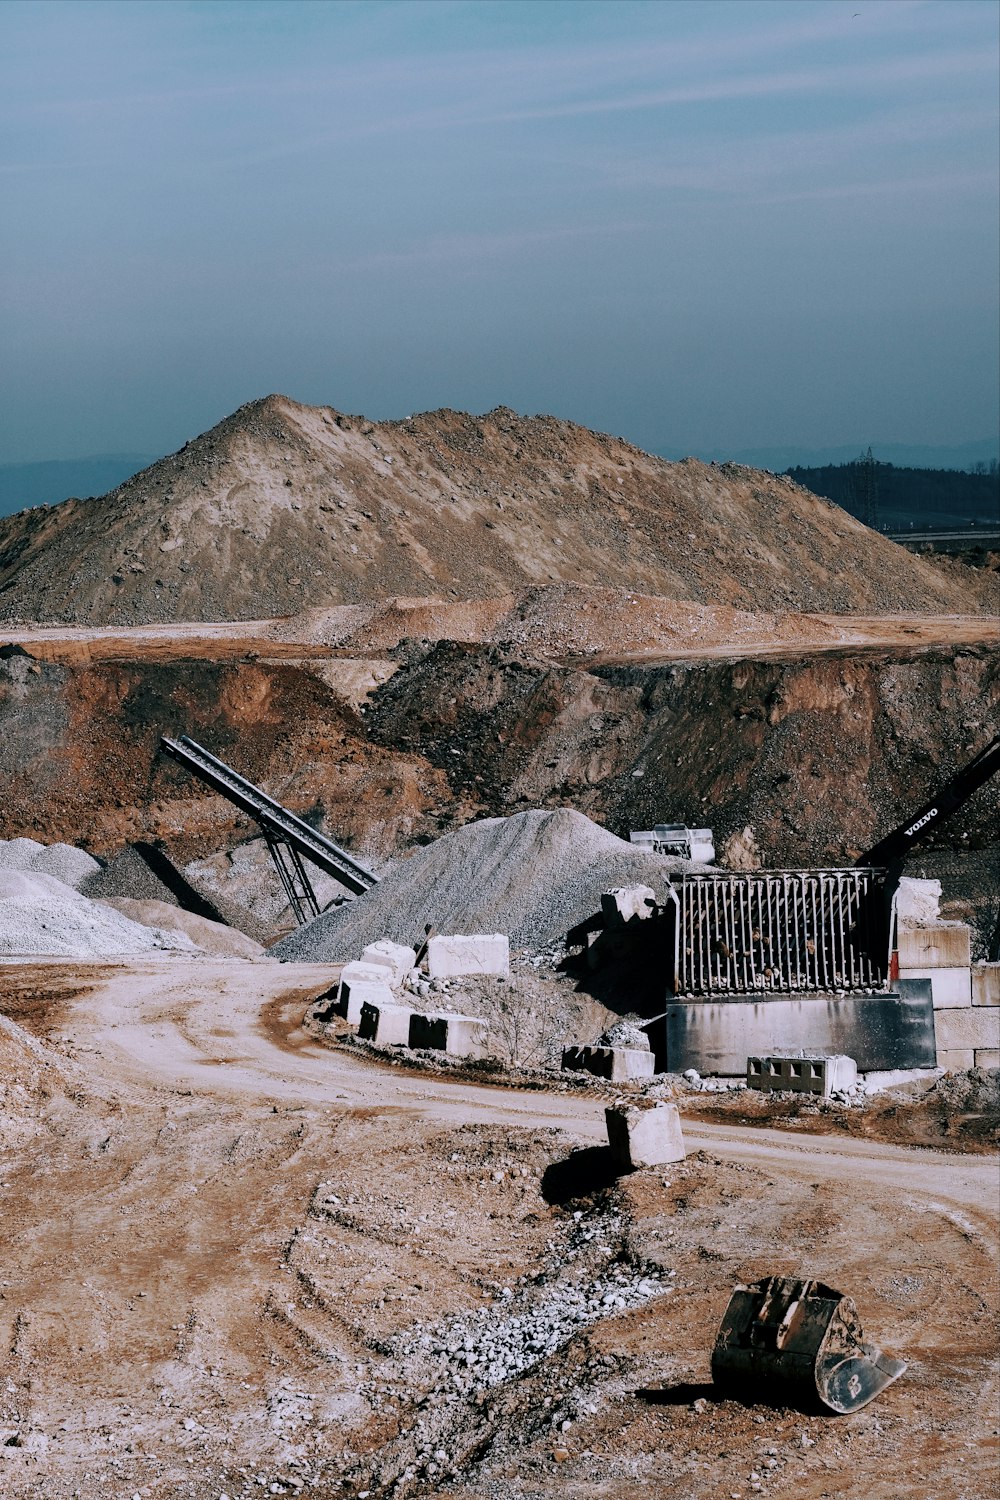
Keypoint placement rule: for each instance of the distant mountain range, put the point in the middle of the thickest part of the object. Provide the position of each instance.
(903, 455)
(25, 485)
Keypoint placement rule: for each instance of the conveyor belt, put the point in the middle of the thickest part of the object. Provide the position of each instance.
(289, 838)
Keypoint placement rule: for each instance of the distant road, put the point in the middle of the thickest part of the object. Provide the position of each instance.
(974, 535)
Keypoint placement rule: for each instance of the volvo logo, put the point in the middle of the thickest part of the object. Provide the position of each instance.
(916, 827)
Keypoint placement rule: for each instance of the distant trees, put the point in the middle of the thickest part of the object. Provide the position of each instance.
(894, 499)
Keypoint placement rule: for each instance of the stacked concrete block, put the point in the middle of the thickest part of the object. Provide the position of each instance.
(642, 1137)
(966, 996)
(618, 1064)
(459, 1036)
(385, 1025)
(395, 958)
(361, 983)
(460, 955)
(802, 1075)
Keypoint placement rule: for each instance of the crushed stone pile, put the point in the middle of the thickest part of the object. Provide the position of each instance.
(533, 876)
(40, 916)
(61, 861)
(212, 938)
(128, 875)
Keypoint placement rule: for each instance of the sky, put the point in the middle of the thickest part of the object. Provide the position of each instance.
(705, 226)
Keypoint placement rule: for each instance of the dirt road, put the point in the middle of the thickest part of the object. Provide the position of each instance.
(236, 1260)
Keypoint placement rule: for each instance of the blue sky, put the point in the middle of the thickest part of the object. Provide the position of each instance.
(703, 225)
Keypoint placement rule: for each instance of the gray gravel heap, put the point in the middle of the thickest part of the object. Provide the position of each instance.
(532, 876)
(41, 916)
(60, 861)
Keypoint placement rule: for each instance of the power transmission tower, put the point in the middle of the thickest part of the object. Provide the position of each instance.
(866, 489)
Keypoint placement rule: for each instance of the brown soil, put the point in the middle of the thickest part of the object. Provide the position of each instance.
(232, 1266)
(282, 507)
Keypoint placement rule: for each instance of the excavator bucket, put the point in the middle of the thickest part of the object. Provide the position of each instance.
(801, 1341)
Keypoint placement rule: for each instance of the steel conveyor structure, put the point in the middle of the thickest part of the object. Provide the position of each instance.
(289, 839)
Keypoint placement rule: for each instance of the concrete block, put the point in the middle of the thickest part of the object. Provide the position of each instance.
(397, 959)
(938, 945)
(645, 1137)
(957, 1061)
(619, 1064)
(917, 900)
(628, 903)
(977, 1027)
(453, 957)
(459, 1036)
(361, 983)
(988, 1057)
(802, 1075)
(986, 984)
(951, 989)
(385, 1025)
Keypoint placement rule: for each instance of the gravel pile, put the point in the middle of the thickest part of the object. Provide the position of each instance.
(41, 916)
(212, 938)
(128, 875)
(533, 876)
(60, 861)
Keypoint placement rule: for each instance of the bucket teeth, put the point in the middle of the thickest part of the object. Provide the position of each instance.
(800, 1340)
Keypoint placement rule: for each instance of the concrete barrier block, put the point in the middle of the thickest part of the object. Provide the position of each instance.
(958, 1060)
(951, 989)
(937, 945)
(458, 955)
(628, 903)
(988, 1057)
(385, 1025)
(617, 1064)
(977, 1027)
(360, 983)
(459, 1036)
(986, 984)
(645, 1137)
(396, 958)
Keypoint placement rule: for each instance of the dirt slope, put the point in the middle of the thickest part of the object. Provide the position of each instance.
(282, 507)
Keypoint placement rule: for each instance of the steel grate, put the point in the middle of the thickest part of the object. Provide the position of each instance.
(780, 931)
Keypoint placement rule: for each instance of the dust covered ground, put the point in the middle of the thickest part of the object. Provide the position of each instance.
(240, 1263)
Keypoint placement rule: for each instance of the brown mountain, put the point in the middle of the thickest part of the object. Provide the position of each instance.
(282, 507)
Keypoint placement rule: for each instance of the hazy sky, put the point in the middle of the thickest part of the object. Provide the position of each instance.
(702, 225)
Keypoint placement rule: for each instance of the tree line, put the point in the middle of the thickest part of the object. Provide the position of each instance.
(897, 499)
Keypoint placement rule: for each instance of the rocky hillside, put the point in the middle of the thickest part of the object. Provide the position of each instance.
(283, 507)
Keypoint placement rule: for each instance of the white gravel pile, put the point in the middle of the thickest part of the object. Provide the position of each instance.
(533, 876)
(40, 916)
(61, 861)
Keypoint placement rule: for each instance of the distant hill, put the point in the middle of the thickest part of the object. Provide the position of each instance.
(905, 455)
(921, 498)
(48, 483)
(282, 507)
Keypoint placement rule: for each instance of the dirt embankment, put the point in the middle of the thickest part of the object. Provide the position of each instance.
(817, 754)
(282, 506)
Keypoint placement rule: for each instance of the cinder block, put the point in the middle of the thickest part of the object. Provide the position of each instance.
(385, 1025)
(397, 959)
(618, 1064)
(977, 1027)
(645, 1137)
(360, 983)
(951, 989)
(628, 903)
(986, 984)
(802, 1075)
(957, 1061)
(459, 1036)
(988, 1057)
(937, 945)
(458, 955)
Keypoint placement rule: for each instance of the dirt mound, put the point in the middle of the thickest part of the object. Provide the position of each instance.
(211, 937)
(533, 876)
(282, 507)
